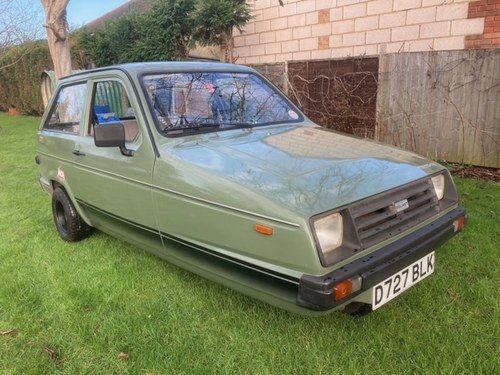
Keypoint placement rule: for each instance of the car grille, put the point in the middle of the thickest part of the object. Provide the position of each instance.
(377, 218)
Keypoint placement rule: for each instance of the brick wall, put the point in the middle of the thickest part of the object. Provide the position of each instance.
(324, 29)
(490, 11)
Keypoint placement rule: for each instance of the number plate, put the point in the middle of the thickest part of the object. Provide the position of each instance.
(401, 281)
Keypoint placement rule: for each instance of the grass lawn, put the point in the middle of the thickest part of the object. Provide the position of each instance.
(73, 308)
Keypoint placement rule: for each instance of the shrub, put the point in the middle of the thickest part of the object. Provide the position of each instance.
(20, 71)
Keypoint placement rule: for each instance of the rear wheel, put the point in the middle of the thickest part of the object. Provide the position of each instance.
(69, 223)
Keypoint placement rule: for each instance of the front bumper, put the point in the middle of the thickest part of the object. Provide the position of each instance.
(317, 293)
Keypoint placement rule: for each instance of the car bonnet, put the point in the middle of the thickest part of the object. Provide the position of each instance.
(307, 169)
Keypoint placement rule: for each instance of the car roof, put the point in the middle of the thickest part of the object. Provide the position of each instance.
(141, 68)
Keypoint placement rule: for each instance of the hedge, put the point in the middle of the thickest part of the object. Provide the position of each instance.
(20, 70)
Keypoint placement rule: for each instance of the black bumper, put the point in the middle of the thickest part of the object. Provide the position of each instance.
(317, 293)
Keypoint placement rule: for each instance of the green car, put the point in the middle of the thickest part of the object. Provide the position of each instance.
(211, 167)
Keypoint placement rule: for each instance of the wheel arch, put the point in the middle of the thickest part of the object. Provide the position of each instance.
(57, 184)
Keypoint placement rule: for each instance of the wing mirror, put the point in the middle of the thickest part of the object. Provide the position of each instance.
(111, 135)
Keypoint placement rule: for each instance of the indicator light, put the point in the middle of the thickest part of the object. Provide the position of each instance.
(347, 287)
(459, 224)
(264, 229)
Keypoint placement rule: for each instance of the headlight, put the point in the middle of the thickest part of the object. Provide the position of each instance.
(438, 182)
(329, 232)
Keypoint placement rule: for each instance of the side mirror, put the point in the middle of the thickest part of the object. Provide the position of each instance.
(111, 135)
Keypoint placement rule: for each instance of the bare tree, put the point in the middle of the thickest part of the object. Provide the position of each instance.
(57, 35)
(19, 23)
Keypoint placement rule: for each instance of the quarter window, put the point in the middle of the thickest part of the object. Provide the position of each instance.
(67, 112)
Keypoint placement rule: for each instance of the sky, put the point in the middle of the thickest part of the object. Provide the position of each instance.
(81, 12)
(24, 19)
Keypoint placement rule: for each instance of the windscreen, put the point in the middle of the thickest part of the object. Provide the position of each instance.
(215, 101)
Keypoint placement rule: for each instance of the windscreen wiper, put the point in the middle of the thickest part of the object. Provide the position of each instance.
(240, 125)
(203, 126)
(193, 127)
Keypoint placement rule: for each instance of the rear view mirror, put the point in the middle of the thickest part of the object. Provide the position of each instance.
(111, 135)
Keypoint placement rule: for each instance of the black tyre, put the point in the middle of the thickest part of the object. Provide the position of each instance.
(69, 223)
(357, 309)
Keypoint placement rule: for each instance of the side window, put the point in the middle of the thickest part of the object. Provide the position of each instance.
(112, 104)
(66, 115)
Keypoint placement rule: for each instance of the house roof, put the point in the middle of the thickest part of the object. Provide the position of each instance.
(138, 5)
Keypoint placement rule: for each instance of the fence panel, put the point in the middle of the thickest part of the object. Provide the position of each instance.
(445, 105)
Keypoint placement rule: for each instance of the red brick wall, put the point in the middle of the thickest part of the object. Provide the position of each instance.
(490, 9)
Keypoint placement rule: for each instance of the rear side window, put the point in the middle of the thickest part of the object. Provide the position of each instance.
(66, 114)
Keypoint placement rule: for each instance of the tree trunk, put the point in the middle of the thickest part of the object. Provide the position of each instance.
(57, 35)
(227, 45)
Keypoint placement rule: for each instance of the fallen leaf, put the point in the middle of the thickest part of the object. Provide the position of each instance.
(51, 352)
(9, 332)
(452, 293)
(123, 355)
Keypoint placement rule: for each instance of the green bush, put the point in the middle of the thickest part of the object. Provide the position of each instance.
(163, 33)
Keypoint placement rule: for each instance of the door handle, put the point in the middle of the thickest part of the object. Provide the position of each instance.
(78, 153)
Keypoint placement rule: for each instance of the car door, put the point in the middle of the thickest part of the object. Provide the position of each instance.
(114, 189)
(58, 135)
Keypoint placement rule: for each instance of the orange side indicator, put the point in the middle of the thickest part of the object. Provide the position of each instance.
(343, 290)
(264, 229)
(347, 287)
(459, 224)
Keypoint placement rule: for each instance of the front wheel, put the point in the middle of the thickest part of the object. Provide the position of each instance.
(69, 223)
(357, 309)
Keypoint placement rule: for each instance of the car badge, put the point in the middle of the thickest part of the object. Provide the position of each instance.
(401, 205)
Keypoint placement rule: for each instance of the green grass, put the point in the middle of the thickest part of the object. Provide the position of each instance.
(90, 301)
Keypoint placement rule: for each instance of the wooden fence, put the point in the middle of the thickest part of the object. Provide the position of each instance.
(445, 105)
